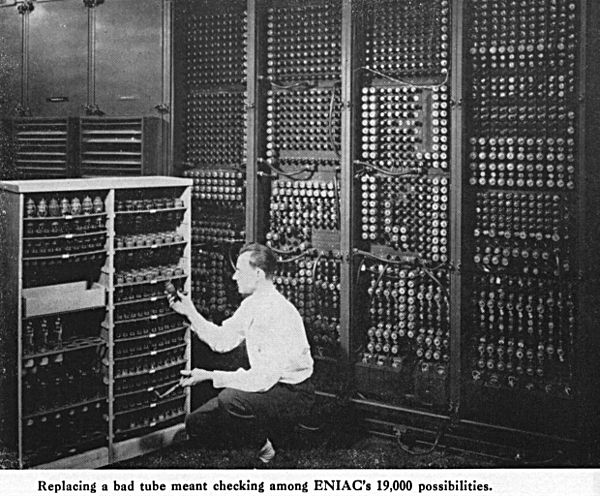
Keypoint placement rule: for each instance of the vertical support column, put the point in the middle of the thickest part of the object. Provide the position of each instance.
(24, 10)
(588, 237)
(91, 70)
(91, 107)
(456, 181)
(186, 230)
(166, 107)
(109, 274)
(256, 52)
(347, 177)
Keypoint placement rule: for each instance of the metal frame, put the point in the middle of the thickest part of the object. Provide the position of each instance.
(588, 202)
(347, 176)
(255, 109)
(14, 193)
(456, 167)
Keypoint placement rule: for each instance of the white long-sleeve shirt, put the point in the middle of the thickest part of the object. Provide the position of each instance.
(278, 350)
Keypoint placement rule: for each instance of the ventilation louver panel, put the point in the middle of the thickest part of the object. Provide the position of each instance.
(42, 148)
(112, 147)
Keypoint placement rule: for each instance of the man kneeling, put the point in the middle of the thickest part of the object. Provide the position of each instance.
(276, 390)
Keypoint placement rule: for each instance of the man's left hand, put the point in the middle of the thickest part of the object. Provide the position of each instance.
(194, 376)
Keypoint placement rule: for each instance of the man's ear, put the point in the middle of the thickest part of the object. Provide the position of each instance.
(261, 273)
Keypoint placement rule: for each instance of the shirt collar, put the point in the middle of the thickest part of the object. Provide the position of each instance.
(266, 289)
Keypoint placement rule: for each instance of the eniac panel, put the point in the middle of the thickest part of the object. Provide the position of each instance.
(58, 58)
(10, 59)
(129, 57)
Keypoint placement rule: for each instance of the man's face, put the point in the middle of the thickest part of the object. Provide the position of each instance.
(245, 275)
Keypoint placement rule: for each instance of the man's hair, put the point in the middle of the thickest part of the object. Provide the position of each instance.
(261, 257)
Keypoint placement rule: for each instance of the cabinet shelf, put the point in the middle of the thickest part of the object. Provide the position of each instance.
(150, 211)
(151, 405)
(150, 299)
(65, 217)
(151, 247)
(152, 281)
(152, 335)
(178, 363)
(65, 236)
(74, 344)
(70, 406)
(123, 433)
(66, 256)
(44, 412)
(154, 316)
(150, 389)
(149, 353)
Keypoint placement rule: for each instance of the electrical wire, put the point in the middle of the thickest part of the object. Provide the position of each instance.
(386, 172)
(291, 175)
(381, 259)
(230, 257)
(381, 274)
(314, 270)
(299, 84)
(362, 262)
(330, 123)
(405, 82)
(283, 252)
(437, 281)
(438, 437)
(297, 257)
(337, 197)
(314, 275)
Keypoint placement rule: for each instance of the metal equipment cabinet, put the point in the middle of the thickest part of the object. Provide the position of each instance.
(89, 343)
(458, 265)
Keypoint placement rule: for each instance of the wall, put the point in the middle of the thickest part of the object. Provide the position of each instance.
(128, 57)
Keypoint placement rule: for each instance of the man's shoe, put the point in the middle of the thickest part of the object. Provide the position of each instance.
(266, 453)
(181, 436)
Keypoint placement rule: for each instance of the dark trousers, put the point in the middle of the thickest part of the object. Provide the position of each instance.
(237, 417)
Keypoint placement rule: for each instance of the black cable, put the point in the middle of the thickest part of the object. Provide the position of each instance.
(406, 82)
(299, 84)
(381, 259)
(291, 175)
(330, 123)
(438, 437)
(297, 257)
(385, 171)
(283, 252)
(337, 197)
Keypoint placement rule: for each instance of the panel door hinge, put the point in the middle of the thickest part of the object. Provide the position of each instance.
(163, 108)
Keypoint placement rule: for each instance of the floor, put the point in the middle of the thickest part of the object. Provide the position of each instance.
(370, 452)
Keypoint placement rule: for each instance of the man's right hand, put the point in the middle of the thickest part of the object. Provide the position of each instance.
(184, 305)
(194, 376)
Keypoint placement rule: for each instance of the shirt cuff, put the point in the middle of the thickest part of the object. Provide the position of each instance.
(219, 378)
